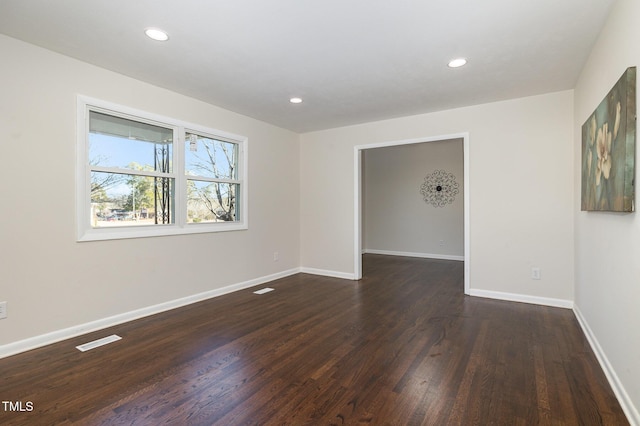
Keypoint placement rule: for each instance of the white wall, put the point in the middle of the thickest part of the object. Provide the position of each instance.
(521, 192)
(524, 201)
(52, 282)
(395, 216)
(608, 244)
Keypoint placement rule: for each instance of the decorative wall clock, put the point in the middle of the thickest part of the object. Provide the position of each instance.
(439, 188)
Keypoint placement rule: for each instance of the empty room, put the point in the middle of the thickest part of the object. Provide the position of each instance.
(300, 213)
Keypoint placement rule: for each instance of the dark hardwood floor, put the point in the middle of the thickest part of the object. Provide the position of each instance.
(403, 346)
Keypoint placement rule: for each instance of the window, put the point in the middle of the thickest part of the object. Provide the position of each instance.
(212, 179)
(144, 175)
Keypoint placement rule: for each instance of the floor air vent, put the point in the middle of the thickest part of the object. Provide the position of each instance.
(99, 342)
(263, 291)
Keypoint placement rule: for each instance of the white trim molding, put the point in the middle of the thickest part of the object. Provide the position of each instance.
(327, 273)
(618, 389)
(357, 199)
(411, 254)
(78, 330)
(522, 298)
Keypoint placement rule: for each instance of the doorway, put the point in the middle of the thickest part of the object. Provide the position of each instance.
(359, 188)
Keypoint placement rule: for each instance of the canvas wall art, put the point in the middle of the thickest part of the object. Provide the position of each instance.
(608, 150)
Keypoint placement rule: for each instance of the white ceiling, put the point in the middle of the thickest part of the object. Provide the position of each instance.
(352, 61)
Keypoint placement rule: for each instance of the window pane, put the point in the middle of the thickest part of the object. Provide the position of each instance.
(211, 202)
(128, 144)
(130, 200)
(210, 158)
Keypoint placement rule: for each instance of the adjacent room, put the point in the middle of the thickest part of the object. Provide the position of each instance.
(283, 212)
(412, 200)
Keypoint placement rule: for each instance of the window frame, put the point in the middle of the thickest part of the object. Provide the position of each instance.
(86, 232)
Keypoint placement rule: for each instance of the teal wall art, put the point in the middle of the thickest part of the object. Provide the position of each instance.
(608, 150)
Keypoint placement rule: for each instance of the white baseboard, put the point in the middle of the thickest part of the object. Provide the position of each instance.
(411, 254)
(67, 333)
(633, 416)
(327, 273)
(523, 298)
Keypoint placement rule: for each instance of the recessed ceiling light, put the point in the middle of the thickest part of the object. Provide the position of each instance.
(295, 100)
(156, 34)
(455, 63)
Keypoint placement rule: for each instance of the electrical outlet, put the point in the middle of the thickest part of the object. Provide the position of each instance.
(535, 273)
(276, 256)
(3, 310)
(441, 243)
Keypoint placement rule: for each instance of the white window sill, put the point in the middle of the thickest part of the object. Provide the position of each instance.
(118, 233)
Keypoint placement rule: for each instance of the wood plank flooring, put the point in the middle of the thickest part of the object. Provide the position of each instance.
(403, 346)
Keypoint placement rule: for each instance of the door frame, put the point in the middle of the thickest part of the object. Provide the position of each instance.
(357, 220)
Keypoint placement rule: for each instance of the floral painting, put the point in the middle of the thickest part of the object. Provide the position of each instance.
(608, 150)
